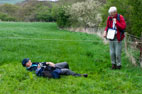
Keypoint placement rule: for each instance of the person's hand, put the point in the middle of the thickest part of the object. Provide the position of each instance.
(105, 34)
(48, 63)
(52, 64)
(114, 20)
(38, 66)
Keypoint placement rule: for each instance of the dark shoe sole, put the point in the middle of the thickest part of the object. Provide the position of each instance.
(85, 75)
(118, 67)
(113, 67)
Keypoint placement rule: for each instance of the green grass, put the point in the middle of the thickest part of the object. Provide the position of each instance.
(83, 57)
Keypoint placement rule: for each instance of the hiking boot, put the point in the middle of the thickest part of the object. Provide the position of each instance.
(85, 75)
(113, 66)
(118, 67)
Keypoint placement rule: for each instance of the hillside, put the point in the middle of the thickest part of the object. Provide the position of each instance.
(10, 1)
(22, 40)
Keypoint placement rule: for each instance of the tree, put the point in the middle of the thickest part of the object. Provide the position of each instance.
(9, 9)
(87, 13)
(62, 18)
(44, 14)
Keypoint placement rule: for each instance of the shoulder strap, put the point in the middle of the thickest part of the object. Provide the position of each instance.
(118, 17)
(109, 18)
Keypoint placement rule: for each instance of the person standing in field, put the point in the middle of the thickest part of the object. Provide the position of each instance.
(114, 32)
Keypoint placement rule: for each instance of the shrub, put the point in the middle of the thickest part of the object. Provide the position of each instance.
(44, 14)
(85, 13)
(136, 19)
(5, 17)
(62, 18)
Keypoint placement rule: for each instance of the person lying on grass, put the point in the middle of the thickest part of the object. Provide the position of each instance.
(49, 69)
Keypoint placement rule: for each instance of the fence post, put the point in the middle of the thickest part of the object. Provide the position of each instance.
(125, 43)
(141, 50)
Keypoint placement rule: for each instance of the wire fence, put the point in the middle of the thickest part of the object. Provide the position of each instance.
(133, 49)
(132, 45)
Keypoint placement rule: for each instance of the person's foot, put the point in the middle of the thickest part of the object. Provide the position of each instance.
(113, 66)
(118, 67)
(85, 75)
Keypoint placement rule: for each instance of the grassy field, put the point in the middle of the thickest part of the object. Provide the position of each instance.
(83, 56)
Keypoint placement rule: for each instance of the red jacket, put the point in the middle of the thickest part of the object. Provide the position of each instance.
(120, 24)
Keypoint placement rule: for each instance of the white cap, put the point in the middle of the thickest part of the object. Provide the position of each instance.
(112, 9)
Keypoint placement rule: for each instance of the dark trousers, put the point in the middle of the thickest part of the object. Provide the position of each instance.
(65, 69)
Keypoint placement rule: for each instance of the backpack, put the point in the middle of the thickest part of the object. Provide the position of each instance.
(51, 72)
(54, 74)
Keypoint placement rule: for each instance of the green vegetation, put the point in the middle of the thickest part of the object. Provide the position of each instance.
(81, 14)
(62, 18)
(83, 56)
(5, 17)
(75, 13)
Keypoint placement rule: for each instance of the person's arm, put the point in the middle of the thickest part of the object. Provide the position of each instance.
(121, 24)
(50, 64)
(38, 71)
(105, 31)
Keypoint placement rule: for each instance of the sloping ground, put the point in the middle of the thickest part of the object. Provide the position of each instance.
(21, 40)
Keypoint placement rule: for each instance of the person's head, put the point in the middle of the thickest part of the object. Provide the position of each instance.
(112, 11)
(26, 62)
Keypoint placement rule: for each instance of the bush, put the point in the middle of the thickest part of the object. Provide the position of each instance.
(136, 19)
(8, 12)
(5, 17)
(9, 9)
(62, 18)
(44, 14)
(86, 13)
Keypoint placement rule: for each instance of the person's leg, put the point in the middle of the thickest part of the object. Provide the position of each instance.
(118, 54)
(62, 65)
(112, 54)
(69, 72)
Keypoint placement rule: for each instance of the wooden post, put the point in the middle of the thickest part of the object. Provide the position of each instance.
(125, 42)
(140, 45)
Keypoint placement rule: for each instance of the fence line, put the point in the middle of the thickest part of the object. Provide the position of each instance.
(133, 49)
(132, 44)
(56, 39)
